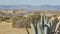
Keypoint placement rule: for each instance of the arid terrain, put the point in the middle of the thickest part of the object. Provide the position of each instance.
(6, 28)
(21, 19)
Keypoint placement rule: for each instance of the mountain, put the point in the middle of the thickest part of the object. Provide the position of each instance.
(49, 7)
(29, 7)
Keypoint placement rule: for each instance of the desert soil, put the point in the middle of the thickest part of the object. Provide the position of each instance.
(6, 28)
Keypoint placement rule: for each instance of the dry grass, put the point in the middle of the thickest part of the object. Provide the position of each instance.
(6, 28)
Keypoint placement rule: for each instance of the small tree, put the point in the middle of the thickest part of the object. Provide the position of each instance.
(22, 22)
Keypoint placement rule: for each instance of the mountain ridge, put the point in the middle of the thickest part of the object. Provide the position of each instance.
(30, 7)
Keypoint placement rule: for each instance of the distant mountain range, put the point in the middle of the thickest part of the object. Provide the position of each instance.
(29, 7)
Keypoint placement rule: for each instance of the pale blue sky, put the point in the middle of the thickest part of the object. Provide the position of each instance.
(29, 2)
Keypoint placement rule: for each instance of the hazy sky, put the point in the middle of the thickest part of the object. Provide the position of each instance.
(29, 2)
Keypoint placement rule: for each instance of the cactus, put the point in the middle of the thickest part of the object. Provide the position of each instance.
(34, 20)
(43, 27)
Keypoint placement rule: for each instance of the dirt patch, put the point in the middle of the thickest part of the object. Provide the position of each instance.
(6, 28)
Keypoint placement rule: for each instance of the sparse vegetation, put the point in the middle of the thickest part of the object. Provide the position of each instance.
(25, 19)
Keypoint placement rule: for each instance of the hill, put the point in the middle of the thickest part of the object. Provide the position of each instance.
(30, 7)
